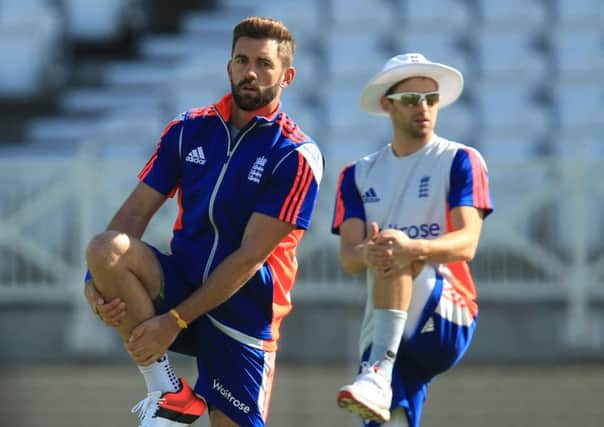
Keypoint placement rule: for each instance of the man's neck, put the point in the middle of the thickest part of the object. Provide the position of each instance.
(239, 117)
(403, 147)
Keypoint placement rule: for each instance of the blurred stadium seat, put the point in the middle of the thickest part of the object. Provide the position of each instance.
(95, 100)
(511, 147)
(64, 129)
(576, 104)
(241, 5)
(219, 23)
(580, 14)
(579, 54)
(102, 21)
(426, 15)
(187, 45)
(120, 73)
(581, 159)
(347, 16)
(513, 15)
(590, 147)
(31, 43)
(353, 59)
(512, 109)
(510, 56)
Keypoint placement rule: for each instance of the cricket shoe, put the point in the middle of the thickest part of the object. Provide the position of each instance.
(369, 396)
(171, 409)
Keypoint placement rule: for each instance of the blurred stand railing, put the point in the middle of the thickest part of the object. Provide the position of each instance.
(544, 243)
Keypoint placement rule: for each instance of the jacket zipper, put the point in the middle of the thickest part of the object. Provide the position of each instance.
(230, 153)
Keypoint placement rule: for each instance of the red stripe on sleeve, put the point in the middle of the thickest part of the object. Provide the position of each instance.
(302, 194)
(289, 216)
(178, 221)
(479, 182)
(293, 190)
(145, 171)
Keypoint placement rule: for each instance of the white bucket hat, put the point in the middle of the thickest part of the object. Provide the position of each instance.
(401, 67)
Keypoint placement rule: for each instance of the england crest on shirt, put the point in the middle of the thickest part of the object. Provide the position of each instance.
(257, 170)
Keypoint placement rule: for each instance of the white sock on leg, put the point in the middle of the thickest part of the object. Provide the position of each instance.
(160, 376)
(388, 326)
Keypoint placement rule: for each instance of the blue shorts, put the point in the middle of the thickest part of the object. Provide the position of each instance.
(233, 377)
(436, 345)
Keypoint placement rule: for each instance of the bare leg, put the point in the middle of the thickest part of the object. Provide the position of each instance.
(393, 293)
(125, 268)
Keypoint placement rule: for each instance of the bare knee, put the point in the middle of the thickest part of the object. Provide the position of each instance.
(106, 249)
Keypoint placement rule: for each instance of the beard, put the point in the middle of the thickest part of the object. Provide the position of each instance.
(249, 102)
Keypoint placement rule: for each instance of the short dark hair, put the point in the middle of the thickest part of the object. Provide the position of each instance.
(260, 27)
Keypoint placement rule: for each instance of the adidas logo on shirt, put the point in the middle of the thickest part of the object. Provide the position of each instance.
(370, 196)
(196, 156)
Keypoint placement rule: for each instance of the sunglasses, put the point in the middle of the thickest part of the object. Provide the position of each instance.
(414, 98)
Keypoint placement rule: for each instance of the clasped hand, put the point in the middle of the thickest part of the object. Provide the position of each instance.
(110, 312)
(152, 339)
(148, 341)
(387, 253)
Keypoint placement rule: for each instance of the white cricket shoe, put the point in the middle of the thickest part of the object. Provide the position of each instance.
(369, 396)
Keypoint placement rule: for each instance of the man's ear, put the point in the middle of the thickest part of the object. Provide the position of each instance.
(385, 103)
(229, 70)
(288, 76)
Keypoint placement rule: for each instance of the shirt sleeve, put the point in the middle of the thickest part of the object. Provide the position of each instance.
(294, 185)
(348, 200)
(162, 170)
(469, 181)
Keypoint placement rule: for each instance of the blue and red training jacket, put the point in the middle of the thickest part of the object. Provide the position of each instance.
(271, 167)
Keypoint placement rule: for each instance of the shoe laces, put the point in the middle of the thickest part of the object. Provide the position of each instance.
(367, 367)
(147, 407)
(373, 374)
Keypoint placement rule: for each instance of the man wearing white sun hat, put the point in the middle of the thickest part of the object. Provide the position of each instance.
(410, 215)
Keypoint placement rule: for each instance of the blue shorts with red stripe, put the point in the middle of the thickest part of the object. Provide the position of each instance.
(233, 377)
(428, 352)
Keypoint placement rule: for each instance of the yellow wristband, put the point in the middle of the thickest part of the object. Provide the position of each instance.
(179, 321)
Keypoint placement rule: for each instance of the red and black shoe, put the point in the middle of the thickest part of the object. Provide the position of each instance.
(170, 409)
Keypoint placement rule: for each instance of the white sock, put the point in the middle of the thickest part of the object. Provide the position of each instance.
(388, 326)
(160, 376)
